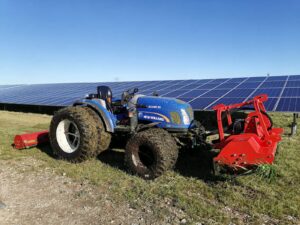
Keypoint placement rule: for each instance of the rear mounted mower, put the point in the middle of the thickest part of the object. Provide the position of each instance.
(155, 128)
(251, 142)
(31, 140)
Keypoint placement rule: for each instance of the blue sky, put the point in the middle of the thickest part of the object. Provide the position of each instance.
(43, 41)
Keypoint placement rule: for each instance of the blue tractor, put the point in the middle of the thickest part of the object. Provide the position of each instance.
(154, 127)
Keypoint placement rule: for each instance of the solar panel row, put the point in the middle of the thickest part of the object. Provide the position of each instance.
(283, 91)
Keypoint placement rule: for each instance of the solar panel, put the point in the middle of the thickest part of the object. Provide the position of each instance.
(173, 93)
(193, 86)
(276, 78)
(256, 79)
(225, 101)
(201, 102)
(208, 86)
(270, 104)
(294, 77)
(237, 80)
(192, 94)
(283, 91)
(291, 92)
(273, 84)
(289, 105)
(293, 83)
(228, 85)
(244, 93)
(218, 81)
(271, 92)
(215, 93)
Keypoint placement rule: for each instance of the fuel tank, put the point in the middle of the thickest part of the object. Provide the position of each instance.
(170, 112)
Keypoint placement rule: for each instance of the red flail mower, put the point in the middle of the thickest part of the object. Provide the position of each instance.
(31, 140)
(253, 140)
(242, 143)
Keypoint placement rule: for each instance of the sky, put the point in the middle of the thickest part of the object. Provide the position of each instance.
(56, 41)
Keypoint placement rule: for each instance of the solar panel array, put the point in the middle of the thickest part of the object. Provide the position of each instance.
(283, 91)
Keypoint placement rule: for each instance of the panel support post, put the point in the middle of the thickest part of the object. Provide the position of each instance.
(294, 124)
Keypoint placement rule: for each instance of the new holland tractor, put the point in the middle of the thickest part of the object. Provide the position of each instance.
(155, 128)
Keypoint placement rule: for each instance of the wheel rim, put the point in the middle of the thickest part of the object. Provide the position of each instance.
(68, 136)
(146, 156)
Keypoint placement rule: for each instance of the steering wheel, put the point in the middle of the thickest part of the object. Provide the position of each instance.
(127, 95)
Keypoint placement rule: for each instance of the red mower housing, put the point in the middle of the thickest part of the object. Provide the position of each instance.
(24, 141)
(255, 145)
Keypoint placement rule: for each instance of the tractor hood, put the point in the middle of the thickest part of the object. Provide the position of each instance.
(170, 112)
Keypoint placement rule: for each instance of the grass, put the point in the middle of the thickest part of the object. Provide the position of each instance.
(270, 196)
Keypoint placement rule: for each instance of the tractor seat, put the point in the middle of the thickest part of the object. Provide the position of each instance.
(105, 94)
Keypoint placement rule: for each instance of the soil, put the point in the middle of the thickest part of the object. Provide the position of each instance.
(30, 196)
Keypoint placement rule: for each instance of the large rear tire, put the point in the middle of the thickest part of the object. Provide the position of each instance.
(104, 138)
(73, 134)
(151, 153)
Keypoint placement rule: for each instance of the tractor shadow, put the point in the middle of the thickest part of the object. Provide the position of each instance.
(46, 148)
(113, 158)
(190, 163)
(193, 163)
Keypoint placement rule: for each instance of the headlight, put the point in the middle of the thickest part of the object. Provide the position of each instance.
(190, 112)
(185, 116)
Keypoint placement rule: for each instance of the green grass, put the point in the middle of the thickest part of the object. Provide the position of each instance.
(271, 194)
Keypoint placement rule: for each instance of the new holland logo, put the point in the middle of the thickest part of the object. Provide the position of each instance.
(153, 118)
(154, 106)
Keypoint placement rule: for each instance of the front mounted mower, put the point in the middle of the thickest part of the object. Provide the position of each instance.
(251, 141)
(156, 128)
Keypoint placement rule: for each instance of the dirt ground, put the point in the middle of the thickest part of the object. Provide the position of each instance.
(42, 197)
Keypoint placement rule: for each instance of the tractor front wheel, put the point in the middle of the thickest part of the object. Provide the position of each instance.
(73, 134)
(150, 153)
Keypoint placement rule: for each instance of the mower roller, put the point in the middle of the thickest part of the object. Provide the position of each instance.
(155, 128)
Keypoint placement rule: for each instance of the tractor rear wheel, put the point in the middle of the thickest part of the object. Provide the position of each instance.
(150, 153)
(73, 134)
(104, 138)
